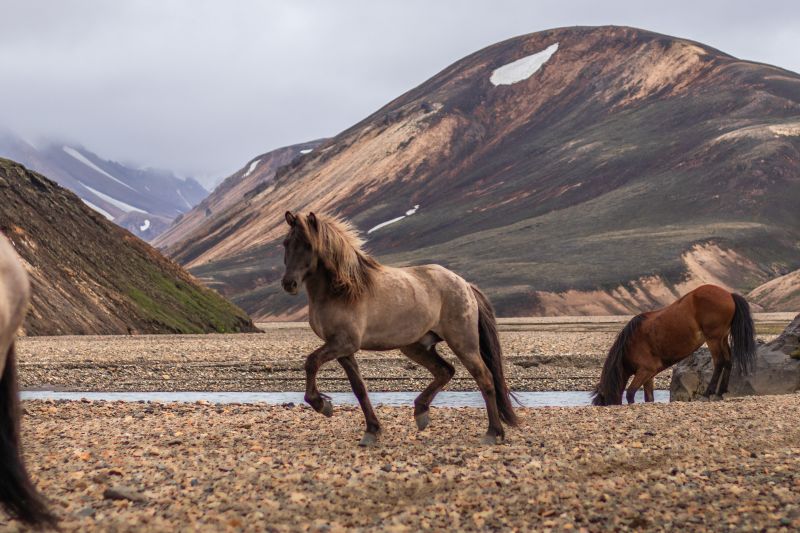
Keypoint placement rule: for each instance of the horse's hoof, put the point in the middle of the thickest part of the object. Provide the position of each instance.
(369, 439)
(715, 398)
(702, 398)
(422, 419)
(492, 439)
(327, 408)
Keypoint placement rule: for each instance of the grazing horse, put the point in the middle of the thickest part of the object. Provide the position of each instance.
(654, 341)
(356, 303)
(17, 494)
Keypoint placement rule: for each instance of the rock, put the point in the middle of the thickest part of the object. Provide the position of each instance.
(777, 370)
(121, 492)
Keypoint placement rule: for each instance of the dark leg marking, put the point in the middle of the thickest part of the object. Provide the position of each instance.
(360, 390)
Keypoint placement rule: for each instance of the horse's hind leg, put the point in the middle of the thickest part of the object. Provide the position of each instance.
(641, 377)
(360, 390)
(715, 347)
(726, 369)
(442, 373)
(649, 395)
(470, 356)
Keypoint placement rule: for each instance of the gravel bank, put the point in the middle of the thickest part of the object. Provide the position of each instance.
(551, 357)
(273, 361)
(717, 466)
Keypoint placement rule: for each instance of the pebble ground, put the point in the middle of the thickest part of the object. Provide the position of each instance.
(731, 465)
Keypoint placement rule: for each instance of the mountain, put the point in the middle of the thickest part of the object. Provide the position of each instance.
(578, 170)
(90, 276)
(779, 294)
(194, 226)
(143, 201)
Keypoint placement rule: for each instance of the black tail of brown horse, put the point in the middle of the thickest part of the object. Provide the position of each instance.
(17, 494)
(492, 355)
(743, 336)
(613, 378)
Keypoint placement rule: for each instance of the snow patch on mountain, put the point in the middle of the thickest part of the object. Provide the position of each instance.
(80, 157)
(253, 166)
(145, 226)
(392, 221)
(185, 201)
(307, 151)
(100, 210)
(113, 201)
(522, 69)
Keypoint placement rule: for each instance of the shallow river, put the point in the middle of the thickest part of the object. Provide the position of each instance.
(443, 399)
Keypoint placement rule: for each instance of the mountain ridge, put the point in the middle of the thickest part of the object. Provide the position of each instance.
(620, 154)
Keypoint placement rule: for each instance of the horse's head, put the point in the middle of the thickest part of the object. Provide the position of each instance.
(299, 257)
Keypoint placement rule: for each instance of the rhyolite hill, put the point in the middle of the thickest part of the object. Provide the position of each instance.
(627, 167)
(90, 276)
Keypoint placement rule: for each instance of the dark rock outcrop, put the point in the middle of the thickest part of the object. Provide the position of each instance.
(777, 370)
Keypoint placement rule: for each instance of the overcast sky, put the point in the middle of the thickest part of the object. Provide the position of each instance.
(200, 87)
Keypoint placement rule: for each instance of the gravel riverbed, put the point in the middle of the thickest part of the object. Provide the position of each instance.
(273, 361)
(541, 355)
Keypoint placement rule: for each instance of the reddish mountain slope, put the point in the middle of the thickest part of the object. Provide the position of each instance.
(601, 173)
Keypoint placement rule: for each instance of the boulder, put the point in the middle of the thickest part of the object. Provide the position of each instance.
(777, 370)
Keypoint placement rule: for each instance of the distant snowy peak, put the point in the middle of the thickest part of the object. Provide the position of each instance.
(522, 69)
(119, 204)
(100, 210)
(83, 159)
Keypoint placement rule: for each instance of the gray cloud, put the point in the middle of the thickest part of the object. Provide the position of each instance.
(200, 86)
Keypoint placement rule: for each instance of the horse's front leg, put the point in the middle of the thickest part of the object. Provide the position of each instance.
(333, 349)
(360, 390)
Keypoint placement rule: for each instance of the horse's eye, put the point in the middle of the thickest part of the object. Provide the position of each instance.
(285, 243)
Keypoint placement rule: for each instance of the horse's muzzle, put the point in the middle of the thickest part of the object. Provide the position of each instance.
(289, 285)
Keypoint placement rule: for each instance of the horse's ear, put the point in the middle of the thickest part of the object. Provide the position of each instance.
(312, 220)
(290, 218)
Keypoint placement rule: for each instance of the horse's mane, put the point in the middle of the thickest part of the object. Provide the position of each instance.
(339, 247)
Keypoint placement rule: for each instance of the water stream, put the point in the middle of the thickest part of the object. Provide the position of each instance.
(443, 399)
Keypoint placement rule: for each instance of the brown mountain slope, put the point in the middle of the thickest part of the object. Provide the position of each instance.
(598, 173)
(195, 225)
(90, 276)
(779, 294)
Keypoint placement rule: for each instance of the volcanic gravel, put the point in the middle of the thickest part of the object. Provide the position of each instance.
(730, 465)
(273, 361)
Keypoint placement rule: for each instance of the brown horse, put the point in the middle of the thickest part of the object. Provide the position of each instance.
(356, 303)
(17, 493)
(652, 342)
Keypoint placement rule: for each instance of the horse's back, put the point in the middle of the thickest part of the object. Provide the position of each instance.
(713, 308)
(452, 288)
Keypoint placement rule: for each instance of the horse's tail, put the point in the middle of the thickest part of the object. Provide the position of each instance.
(17, 493)
(492, 355)
(743, 336)
(612, 379)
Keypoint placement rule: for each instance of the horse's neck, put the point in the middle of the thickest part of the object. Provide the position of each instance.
(318, 286)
